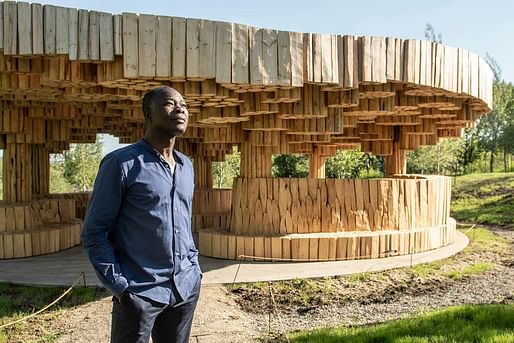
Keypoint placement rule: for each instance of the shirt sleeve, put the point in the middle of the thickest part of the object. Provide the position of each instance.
(193, 251)
(100, 219)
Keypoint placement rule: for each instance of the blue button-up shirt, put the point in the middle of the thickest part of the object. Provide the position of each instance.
(137, 230)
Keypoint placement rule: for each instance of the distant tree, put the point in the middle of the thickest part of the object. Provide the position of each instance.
(444, 158)
(347, 164)
(81, 165)
(223, 173)
(431, 35)
(494, 130)
(292, 165)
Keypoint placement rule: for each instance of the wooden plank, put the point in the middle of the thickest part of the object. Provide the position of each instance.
(147, 38)
(10, 28)
(49, 23)
(296, 45)
(256, 56)
(24, 29)
(178, 56)
(118, 35)
(284, 58)
(83, 35)
(106, 37)
(240, 72)
(61, 30)
(193, 27)
(163, 47)
(94, 35)
(73, 33)
(1, 47)
(130, 45)
(308, 74)
(223, 52)
(270, 56)
(37, 29)
(207, 49)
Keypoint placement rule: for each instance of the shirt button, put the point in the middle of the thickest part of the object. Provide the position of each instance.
(175, 208)
(176, 231)
(178, 254)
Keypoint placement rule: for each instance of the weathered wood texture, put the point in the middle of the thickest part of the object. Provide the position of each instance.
(277, 206)
(338, 246)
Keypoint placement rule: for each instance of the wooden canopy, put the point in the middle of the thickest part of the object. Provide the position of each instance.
(67, 75)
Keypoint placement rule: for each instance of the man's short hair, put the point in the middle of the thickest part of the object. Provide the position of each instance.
(149, 97)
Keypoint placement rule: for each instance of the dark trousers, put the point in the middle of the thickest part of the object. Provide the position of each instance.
(135, 318)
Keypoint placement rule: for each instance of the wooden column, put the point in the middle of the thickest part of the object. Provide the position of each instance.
(397, 162)
(17, 171)
(40, 170)
(203, 172)
(317, 164)
(255, 161)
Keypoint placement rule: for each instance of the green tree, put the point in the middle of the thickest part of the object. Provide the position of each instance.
(494, 130)
(446, 158)
(223, 173)
(293, 165)
(81, 165)
(347, 164)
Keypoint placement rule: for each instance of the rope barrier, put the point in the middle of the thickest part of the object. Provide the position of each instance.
(81, 277)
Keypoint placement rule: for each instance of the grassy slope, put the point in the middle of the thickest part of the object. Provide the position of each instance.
(484, 199)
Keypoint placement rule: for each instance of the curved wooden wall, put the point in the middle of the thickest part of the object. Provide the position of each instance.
(275, 206)
(336, 246)
(37, 228)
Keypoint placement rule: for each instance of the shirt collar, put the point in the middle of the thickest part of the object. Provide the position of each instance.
(151, 149)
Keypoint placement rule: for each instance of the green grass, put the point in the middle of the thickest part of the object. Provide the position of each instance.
(478, 323)
(484, 198)
(474, 269)
(20, 301)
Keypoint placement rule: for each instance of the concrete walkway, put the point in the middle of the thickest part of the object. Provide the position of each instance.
(64, 268)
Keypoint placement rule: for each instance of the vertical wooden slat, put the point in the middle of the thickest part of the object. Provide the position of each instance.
(178, 57)
(24, 29)
(270, 56)
(207, 49)
(296, 59)
(61, 30)
(256, 56)
(73, 33)
(10, 28)
(106, 37)
(163, 47)
(94, 35)
(284, 58)
(49, 22)
(83, 35)
(130, 45)
(193, 27)
(223, 52)
(118, 35)
(37, 29)
(240, 54)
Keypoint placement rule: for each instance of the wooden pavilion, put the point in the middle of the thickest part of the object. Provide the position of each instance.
(67, 75)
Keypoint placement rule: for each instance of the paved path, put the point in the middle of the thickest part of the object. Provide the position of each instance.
(64, 267)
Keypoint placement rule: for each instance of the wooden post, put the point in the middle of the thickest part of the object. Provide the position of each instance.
(17, 171)
(203, 172)
(40, 169)
(397, 162)
(316, 164)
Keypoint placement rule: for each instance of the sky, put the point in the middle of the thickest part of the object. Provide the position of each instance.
(478, 26)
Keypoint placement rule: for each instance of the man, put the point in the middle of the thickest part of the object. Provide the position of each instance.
(137, 230)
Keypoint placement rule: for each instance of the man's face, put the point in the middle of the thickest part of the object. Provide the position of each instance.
(168, 113)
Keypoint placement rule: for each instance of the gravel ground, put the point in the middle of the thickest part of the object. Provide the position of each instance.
(219, 318)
